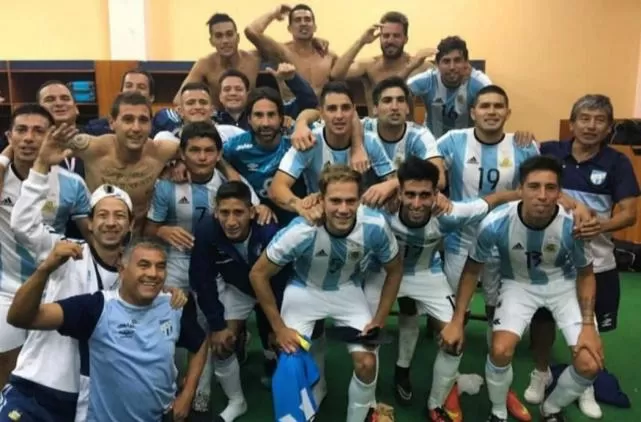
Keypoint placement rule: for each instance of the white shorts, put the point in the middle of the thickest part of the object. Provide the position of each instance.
(347, 306)
(83, 399)
(238, 305)
(178, 273)
(10, 337)
(519, 301)
(490, 277)
(432, 293)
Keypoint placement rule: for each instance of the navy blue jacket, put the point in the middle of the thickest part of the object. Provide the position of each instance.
(213, 254)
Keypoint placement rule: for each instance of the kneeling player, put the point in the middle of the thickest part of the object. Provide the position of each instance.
(228, 245)
(542, 266)
(328, 274)
(419, 236)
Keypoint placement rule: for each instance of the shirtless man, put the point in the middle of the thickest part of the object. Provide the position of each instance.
(307, 53)
(224, 37)
(392, 31)
(126, 158)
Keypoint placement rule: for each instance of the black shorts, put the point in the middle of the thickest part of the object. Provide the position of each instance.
(608, 296)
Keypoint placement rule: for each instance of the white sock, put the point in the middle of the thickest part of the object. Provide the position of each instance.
(318, 351)
(228, 375)
(443, 378)
(204, 383)
(408, 333)
(568, 388)
(498, 384)
(360, 397)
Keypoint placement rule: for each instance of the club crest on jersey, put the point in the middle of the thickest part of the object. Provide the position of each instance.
(550, 247)
(354, 255)
(398, 160)
(49, 207)
(252, 166)
(597, 177)
(166, 327)
(14, 415)
(506, 162)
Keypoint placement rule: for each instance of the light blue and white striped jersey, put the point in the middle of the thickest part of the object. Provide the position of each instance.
(185, 204)
(549, 255)
(446, 108)
(67, 197)
(310, 163)
(420, 244)
(476, 169)
(326, 262)
(416, 140)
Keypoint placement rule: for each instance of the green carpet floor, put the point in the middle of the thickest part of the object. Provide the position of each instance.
(622, 348)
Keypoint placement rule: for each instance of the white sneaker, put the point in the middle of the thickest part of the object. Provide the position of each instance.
(535, 392)
(588, 405)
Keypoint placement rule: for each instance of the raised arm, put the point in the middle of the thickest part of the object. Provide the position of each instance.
(345, 67)
(267, 46)
(198, 73)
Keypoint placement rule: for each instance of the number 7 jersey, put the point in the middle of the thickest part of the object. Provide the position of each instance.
(476, 169)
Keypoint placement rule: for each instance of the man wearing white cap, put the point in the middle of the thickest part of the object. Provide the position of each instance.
(45, 384)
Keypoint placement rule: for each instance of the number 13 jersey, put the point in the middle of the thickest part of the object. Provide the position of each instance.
(476, 169)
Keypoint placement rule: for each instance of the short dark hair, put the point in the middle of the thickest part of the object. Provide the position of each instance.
(52, 82)
(540, 163)
(129, 98)
(449, 44)
(264, 93)
(396, 17)
(229, 73)
(217, 18)
(391, 82)
(31, 109)
(297, 8)
(150, 79)
(593, 102)
(195, 86)
(414, 168)
(335, 87)
(234, 190)
(492, 89)
(200, 130)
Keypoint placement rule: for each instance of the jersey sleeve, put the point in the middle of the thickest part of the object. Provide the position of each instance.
(290, 242)
(191, 333)
(425, 146)
(381, 163)
(295, 162)
(81, 315)
(27, 224)
(384, 243)
(445, 147)
(479, 79)
(463, 214)
(159, 207)
(486, 240)
(81, 206)
(420, 84)
(625, 183)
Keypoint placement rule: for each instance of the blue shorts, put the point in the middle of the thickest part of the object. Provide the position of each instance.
(23, 401)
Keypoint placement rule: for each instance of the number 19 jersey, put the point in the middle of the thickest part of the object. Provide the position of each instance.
(476, 169)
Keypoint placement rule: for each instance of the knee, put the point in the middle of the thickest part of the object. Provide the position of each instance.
(502, 352)
(585, 365)
(365, 367)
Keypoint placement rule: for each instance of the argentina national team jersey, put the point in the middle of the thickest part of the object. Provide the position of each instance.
(310, 163)
(416, 141)
(549, 255)
(476, 169)
(419, 245)
(254, 162)
(326, 262)
(185, 204)
(446, 108)
(67, 197)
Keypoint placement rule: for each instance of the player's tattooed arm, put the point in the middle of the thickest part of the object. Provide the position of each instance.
(586, 292)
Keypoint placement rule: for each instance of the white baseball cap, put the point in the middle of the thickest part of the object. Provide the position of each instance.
(110, 191)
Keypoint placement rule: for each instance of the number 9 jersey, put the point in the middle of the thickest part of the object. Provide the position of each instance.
(476, 169)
